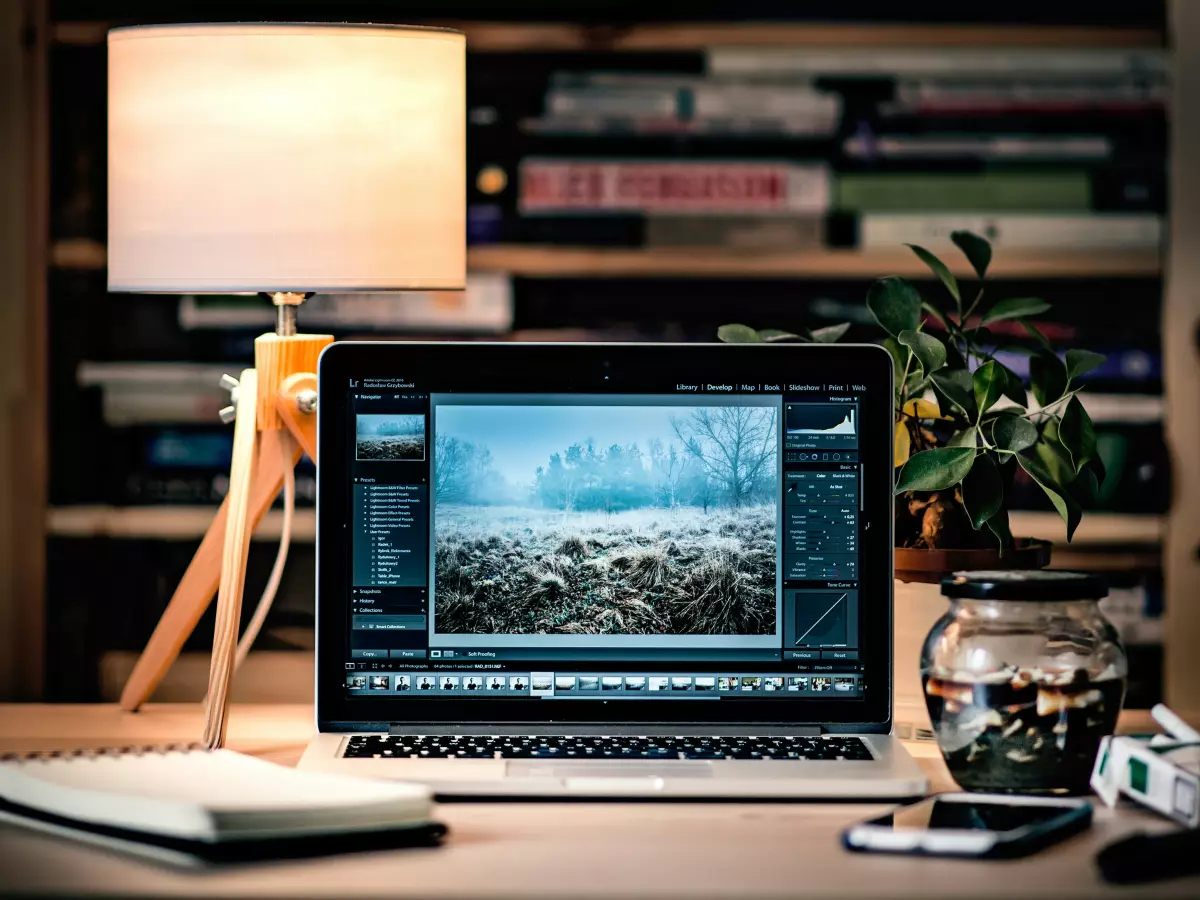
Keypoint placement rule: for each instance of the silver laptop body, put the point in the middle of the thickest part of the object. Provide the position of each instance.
(607, 570)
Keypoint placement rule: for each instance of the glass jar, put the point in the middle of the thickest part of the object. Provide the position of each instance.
(1023, 676)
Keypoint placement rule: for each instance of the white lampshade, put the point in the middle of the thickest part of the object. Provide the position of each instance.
(286, 157)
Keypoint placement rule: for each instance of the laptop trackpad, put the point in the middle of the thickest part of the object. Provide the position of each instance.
(626, 769)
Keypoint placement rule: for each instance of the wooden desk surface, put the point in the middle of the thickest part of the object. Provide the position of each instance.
(556, 850)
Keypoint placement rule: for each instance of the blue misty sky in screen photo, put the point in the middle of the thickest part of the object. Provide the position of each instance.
(521, 438)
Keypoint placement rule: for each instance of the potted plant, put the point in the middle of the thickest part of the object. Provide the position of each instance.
(964, 424)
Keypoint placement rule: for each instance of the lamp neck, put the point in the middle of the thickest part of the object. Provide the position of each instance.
(285, 311)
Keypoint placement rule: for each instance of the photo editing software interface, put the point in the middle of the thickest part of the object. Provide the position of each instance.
(701, 542)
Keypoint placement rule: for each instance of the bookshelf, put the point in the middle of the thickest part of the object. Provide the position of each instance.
(523, 37)
(189, 523)
(152, 535)
(544, 261)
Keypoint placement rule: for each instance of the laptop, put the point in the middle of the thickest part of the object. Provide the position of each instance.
(610, 570)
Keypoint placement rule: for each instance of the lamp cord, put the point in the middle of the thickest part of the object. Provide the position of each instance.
(285, 541)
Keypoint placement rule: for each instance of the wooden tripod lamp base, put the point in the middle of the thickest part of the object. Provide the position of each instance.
(275, 422)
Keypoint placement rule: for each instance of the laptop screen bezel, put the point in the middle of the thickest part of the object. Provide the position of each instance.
(603, 368)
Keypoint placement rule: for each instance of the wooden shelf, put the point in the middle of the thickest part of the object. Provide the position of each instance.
(544, 261)
(682, 36)
(190, 522)
(555, 261)
(78, 253)
(169, 523)
(1098, 529)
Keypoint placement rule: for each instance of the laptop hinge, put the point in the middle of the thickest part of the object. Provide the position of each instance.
(397, 728)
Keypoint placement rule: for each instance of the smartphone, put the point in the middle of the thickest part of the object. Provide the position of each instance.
(972, 825)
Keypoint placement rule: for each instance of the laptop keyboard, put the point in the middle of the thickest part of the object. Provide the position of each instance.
(362, 746)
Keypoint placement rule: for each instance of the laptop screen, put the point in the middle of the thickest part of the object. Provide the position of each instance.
(695, 539)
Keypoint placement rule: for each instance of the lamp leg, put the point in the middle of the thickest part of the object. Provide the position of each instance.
(199, 582)
(234, 552)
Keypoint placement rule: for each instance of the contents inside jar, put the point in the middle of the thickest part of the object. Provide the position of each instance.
(1022, 730)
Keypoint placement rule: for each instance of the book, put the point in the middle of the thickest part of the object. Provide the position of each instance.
(205, 795)
(1024, 191)
(190, 806)
(744, 61)
(736, 232)
(1095, 231)
(485, 307)
(996, 96)
(733, 125)
(550, 186)
(148, 392)
(989, 147)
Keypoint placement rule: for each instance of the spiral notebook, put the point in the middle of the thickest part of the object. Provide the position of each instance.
(214, 804)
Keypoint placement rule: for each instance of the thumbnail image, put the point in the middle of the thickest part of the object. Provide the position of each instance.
(450, 683)
(706, 683)
(589, 520)
(843, 684)
(727, 683)
(681, 683)
(589, 682)
(473, 683)
(798, 683)
(751, 682)
(356, 682)
(611, 682)
(564, 683)
(659, 682)
(389, 437)
(542, 682)
(404, 682)
(518, 683)
(772, 684)
(635, 683)
(426, 683)
(497, 683)
(820, 683)
(381, 682)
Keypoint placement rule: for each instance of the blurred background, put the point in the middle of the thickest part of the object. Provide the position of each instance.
(1049, 127)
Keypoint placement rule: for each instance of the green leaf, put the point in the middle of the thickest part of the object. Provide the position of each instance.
(929, 350)
(1080, 362)
(977, 250)
(1014, 388)
(935, 470)
(1036, 334)
(1047, 377)
(1076, 434)
(982, 491)
(830, 334)
(954, 357)
(1015, 308)
(895, 304)
(1063, 502)
(939, 269)
(965, 438)
(1013, 433)
(957, 387)
(738, 334)
(989, 382)
(774, 335)
(998, 525)
(1096, 465)
(1086, 488)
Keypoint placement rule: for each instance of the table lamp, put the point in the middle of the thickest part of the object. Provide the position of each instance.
(276, 160)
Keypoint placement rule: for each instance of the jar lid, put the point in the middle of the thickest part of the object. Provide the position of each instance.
(1028, 585)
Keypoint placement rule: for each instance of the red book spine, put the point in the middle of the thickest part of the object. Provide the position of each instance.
(557, 186)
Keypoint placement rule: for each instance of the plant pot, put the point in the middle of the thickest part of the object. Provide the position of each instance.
(919, 605)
